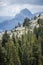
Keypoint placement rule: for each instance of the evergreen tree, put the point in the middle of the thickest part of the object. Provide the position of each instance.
(2, 56)
(26, 22)
(12, 54)
(5, 38)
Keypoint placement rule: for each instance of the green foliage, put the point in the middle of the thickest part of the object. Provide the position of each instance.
(2, 56)
(35, 17)
(36, 32)
(26, 22)
(12, 53)
(5, 38)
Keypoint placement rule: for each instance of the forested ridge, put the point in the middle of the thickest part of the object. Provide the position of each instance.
(27, 50)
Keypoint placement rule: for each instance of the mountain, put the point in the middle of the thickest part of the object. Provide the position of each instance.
(38, 13)
(3, 18)
(9, 24)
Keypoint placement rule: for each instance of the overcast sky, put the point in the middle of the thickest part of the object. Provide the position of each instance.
(12, 7)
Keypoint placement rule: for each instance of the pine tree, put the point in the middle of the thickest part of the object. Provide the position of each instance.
(2, 56)
(5, 38)
(12, 54)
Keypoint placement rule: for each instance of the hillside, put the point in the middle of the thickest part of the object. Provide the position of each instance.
(20, 30)
(23, 45)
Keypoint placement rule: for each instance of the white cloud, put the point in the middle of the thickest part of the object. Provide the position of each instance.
(12, 10)
(3, 4)
(9, 10)
(38, 2)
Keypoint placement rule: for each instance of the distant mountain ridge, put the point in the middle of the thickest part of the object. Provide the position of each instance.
(9, 24)
(38, 13)
(3, 18)
(19, 18)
